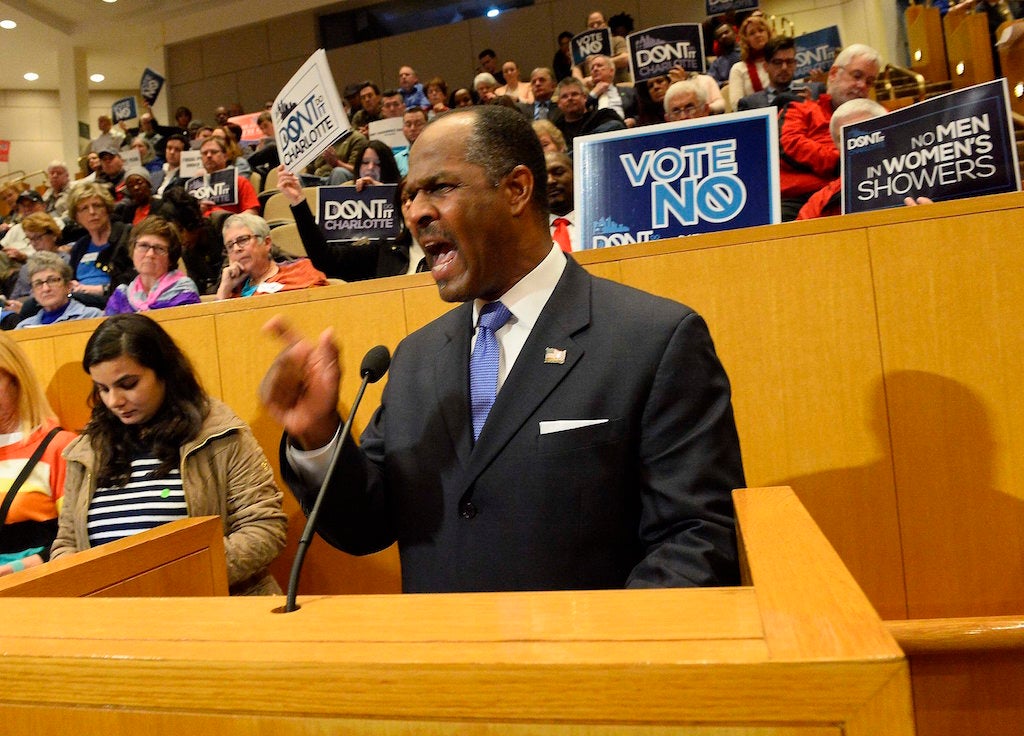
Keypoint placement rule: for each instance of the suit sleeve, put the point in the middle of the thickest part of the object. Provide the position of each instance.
(354, 515)
(689, 464)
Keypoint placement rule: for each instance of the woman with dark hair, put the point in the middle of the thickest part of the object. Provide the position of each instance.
(376, 166)
(155, 247)
(181, 452)
(357, 260)
(202, 249)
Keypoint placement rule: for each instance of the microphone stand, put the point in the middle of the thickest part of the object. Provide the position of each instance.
(371, 374)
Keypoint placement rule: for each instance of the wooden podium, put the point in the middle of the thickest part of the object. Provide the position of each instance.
(797, 651)
(182, 558)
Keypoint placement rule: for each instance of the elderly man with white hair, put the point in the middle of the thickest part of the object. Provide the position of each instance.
(685, 100)
(808, 158)
(56, 196)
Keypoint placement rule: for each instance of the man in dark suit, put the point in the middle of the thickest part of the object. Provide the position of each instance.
(605, 93)
(780, 58)
(543, 107)
(610, 451)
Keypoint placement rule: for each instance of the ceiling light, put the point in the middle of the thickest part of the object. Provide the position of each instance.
(110, 1)
(31, 76)
(493, 12)
(96, 77)
(8, 24)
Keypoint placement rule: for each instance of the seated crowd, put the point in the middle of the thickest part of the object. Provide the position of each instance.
(95, 223)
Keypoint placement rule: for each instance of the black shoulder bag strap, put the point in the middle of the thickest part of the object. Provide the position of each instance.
(23, 475)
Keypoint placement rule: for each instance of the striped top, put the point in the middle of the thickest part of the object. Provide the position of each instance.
(144, 503)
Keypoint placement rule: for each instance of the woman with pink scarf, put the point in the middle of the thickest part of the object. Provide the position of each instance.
(155, 247)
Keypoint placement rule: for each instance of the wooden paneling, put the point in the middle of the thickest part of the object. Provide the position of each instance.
(729, 661)
(950, 310)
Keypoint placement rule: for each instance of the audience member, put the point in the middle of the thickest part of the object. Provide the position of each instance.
(338, 163)
(685, 100)
(411, 89)
(827, 201)
(514, 87)
(391, 104)
(56, 195)
(369, 95)
(154, 247)
(49, 275)
(485, 85)
(808, 158)
(488, 64)
(620, 49)
(147, 156)
(235, 157)
(215, 158)
(780, 58)
(251, 268)
(576, 118)
(15, 242)
(28, 425)
(202, 246)
(561, 64)
(437, 96)
(550, 137)
(728, 54)
(604, 93)
(562, 210)
(111, 172)
(355, 261)
(99, 259)
(462, 97)
(183, 453)
(656, 511)
(139, 202)
(542, 107)
(174, 146)
(43, 233)
(110, 136)
(750, 74)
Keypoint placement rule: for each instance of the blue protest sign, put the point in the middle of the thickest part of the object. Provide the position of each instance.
(150, 85)
(345, 214)
(714, 7)
(590, 42)
(123, 109)
(662, 181)
(654, 51)
(816, 50)
(952, 146)
(220, 187)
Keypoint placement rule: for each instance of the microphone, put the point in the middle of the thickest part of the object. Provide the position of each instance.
(372, 369)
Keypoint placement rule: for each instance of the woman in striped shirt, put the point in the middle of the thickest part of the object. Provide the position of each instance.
(158, 448)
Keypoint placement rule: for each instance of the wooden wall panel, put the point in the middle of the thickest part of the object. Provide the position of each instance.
(951, 309)
(793, 322)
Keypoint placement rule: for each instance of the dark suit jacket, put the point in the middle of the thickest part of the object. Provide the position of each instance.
(639, 500)
(526, 108)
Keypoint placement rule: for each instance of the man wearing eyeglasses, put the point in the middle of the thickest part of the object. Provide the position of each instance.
(780, 58)
(685, 100)
(808, 158)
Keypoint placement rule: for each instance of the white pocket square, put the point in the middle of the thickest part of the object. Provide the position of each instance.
(564, 425)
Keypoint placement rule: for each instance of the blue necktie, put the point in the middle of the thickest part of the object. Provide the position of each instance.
(483, 364)
(540, 110)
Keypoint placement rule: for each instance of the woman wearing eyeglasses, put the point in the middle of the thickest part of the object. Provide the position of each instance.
(251, 268)
(155, 247)
(50, 278)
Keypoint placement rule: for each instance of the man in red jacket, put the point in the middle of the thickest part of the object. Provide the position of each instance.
(808, 157)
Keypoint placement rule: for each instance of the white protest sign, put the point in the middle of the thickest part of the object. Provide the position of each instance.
(308, 114)
(389, 131)
(191, 164)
